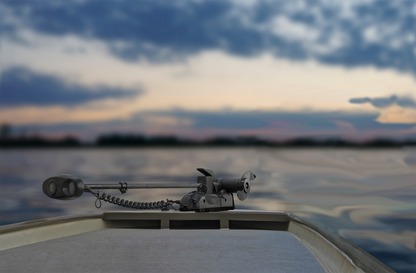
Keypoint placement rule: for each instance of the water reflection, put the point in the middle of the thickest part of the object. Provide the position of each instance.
(366, 196)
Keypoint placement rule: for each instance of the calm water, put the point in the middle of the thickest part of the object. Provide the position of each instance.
(366, 196)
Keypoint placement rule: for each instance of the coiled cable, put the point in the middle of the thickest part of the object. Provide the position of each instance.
(163, 205)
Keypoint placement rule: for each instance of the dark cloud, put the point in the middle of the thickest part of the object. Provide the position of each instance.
(360, 100)
(20, 86)
(405, 102)
(244, 119)
(376, 33)
(261, 119)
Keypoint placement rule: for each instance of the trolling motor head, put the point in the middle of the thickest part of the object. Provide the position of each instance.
(63, 187)
(212, 193)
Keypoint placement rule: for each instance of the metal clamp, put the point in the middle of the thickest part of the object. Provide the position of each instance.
(123, 187)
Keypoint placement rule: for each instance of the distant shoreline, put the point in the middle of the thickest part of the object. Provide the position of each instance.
(138, 141)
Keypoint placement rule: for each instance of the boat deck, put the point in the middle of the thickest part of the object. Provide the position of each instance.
(148, 241)
(141, 250)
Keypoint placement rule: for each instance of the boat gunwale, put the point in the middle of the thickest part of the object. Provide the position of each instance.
(47, 222)
(361, 258)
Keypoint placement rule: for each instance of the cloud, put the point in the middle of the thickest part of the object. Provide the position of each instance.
(384, 102)
(20, 86)
(348, 33)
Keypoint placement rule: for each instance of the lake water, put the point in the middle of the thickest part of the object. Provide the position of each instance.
(365, 196)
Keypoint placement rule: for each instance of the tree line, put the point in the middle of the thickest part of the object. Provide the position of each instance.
(7, 140)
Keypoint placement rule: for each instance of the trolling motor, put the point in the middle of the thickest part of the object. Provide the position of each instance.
(211, 194)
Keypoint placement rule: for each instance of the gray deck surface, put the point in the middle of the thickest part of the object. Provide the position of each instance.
(138, 250)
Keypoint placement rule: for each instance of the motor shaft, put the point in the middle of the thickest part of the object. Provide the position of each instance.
(141, 186)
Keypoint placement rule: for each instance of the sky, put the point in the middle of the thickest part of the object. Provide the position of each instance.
(199, 69)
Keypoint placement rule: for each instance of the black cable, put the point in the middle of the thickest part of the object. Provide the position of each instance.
(163, 205)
